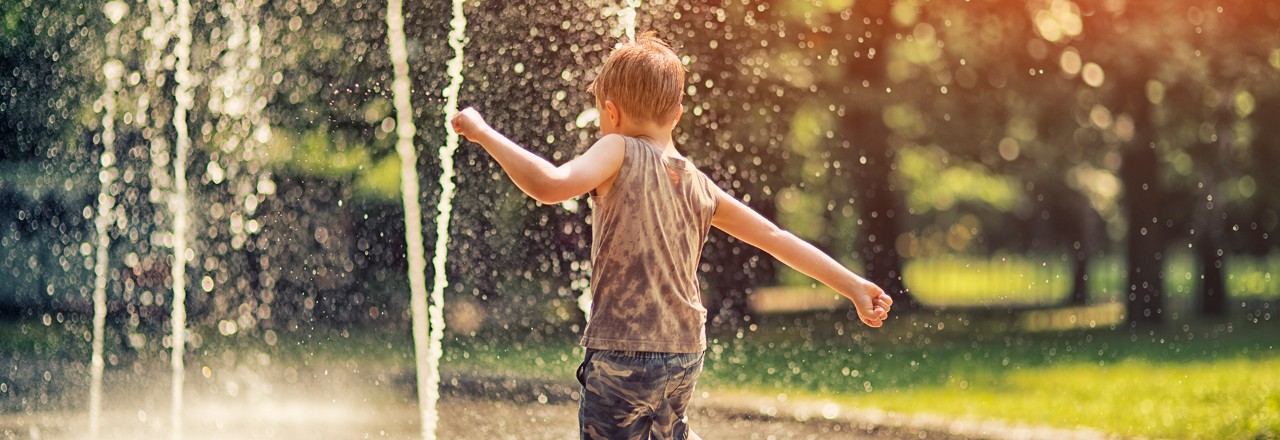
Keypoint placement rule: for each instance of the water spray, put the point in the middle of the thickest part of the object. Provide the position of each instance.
(444, 210)
(627, 18)
(113, 72)
(405, 130)
(184, 98)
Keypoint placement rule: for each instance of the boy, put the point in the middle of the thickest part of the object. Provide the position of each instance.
(651, 214)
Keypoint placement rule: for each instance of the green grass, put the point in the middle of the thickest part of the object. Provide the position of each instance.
(1207, 381)
(1190, 380)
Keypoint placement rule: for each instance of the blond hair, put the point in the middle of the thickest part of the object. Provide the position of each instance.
(644, 77)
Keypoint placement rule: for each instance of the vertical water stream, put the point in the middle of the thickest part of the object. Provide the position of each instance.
(178, 204)
(112, 72)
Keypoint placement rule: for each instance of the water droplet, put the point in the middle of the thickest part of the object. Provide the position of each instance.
(115, 10)
(1093, 75)
(589, 116)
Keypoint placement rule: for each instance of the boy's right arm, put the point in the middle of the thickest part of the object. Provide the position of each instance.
(739, 220)
(535, 176)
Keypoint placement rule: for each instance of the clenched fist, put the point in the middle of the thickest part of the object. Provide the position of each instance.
(469, 123)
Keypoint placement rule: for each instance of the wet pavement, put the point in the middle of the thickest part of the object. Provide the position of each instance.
(461, 418)
(325, 405)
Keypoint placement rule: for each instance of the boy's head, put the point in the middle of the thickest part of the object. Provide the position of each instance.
(643, 78)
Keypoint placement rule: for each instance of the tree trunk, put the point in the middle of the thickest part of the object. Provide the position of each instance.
(870, 157)
(1080, 281)
(1142, 201)
(1144, 242)
(1084, 247)
(1213, 291)
(878, 204)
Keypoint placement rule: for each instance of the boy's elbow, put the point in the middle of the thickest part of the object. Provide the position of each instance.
(775, 232)
(772, 238)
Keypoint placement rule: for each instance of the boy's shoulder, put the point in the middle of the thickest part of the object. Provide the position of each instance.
(609, 145)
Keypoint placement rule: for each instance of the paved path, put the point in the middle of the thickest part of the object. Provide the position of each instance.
(461, 419)
(345, 404)
(333, 405)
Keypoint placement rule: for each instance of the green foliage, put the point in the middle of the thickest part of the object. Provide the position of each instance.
(319, 152)
(382, 180)
(938, 182)
(1000, 280)
(12, 17)
(341, 155)
(1003, 280)
(48, 57)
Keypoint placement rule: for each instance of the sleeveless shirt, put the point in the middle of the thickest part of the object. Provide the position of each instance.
(646, 240)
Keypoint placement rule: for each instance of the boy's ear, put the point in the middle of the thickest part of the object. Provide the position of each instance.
(611, 114)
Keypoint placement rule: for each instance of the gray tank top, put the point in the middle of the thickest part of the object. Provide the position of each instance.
(646, 240)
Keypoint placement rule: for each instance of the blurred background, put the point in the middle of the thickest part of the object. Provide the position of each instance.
(1074, 204)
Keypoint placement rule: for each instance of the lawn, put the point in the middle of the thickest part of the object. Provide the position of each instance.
(1187, 380)
(1190, 380)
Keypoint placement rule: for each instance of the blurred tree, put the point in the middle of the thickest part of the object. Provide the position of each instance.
(1237, 38)
(1128, 68)
(1189, 64)
(867, 144)
(1001, 105)
(844, 48)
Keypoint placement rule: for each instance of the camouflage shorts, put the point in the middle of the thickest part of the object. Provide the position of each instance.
(637, 395)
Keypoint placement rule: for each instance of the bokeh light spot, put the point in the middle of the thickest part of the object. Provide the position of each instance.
(1093, 75)
(1070, 62)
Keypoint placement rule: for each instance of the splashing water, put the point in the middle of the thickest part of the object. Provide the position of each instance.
(183, 97)
(112, 71)
(426, 347)
(158, 33)
(238, 104)
(405, 130)
(444, 210)
(627, 18)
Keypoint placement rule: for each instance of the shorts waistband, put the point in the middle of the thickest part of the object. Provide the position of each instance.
(636, 354)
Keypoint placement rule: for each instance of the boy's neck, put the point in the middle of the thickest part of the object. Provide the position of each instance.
(658, 135)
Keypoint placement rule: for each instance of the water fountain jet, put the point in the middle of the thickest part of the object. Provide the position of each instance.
(112, 71)
(184, 97)
(426, 346)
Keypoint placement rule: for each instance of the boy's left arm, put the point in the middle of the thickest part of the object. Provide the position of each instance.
(739, 220)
